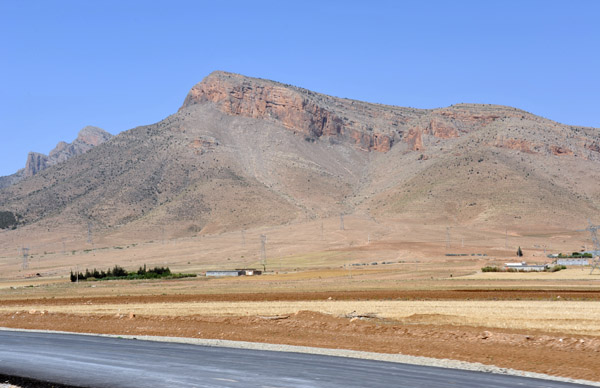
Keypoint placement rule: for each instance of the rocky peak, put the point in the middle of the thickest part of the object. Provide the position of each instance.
(367, 126)
(308, 113)
(88, 138)
(36, 162)
(93, 136)
(377, 127)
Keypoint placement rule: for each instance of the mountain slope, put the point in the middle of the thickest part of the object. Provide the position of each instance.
(244, 152)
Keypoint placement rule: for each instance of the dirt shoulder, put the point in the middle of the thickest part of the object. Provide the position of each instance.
(549, 353)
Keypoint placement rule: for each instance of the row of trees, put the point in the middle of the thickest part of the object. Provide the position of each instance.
(118, 272)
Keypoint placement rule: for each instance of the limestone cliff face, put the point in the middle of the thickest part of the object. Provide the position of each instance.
(367, 126)
(296, 109)
(376, 127)
(36, 162)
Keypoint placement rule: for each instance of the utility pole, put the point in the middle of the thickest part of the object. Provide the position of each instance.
(341, 221)
(321, 230)
(447, 237)
(506, 238)
(25, 257)
(243, 238)
(263, 251)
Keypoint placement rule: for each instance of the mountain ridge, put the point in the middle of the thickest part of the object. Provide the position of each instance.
(243, 152)
(368, 126)
(87, 138)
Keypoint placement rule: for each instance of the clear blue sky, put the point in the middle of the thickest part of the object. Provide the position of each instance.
(120, 64)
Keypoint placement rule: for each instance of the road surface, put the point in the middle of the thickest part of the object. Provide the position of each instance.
(90, 361)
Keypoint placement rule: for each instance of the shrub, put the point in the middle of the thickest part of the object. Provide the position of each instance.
(556, 268)
(490, 269)
(8, 220)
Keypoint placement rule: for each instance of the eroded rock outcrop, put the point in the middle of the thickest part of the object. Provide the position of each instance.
(294, 108)
(36, 162)
(88, 138)
(368, 126)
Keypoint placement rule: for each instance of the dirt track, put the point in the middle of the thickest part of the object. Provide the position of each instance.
(310, 296)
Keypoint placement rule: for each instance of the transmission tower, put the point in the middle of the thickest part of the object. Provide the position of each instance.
(25, 257)
(593, 229)
(263, 251)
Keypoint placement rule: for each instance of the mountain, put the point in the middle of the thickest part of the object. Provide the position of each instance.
(87, 138)
(244, 152)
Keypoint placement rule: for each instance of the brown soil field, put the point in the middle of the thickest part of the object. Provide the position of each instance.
(550, 295)
(555, 354)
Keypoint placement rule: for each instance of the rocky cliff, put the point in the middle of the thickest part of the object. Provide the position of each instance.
(365, 125)
(87, 138)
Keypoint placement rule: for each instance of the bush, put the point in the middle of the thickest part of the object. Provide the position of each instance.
(8, 220)
(490, 269)
(556, 268)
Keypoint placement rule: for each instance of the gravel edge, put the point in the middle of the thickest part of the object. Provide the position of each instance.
(397, 358)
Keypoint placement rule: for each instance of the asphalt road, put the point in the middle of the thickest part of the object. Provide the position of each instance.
(89, 361)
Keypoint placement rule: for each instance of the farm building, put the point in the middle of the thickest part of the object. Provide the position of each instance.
(224, 273)
(573, 262)
(250, 271)
(523, 266)
(237, 272)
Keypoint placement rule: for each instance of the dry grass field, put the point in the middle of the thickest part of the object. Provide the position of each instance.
(572, 317)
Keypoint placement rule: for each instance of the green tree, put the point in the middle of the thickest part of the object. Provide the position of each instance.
(519, 252)
(7, 219)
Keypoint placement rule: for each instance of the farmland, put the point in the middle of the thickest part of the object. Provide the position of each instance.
(375, 286)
